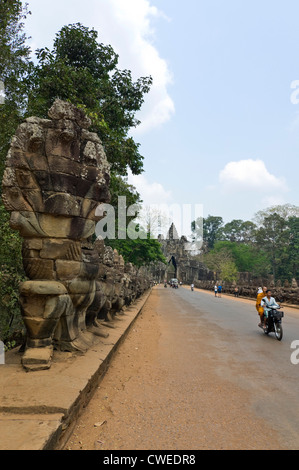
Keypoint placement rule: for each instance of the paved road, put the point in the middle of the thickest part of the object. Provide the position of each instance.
(255, 361)
(196, 372)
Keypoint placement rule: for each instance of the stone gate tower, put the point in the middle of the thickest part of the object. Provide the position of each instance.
(180, 262)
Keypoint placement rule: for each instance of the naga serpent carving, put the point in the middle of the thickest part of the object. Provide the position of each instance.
(56, 175)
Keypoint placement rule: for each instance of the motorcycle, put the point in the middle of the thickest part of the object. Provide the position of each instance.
(165, 285)
(273, 324)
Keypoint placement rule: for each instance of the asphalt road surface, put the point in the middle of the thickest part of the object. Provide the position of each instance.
(196, 372)
(257, 362)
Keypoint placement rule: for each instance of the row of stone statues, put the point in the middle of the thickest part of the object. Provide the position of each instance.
(56, 175)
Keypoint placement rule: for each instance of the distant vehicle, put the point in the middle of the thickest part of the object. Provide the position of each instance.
(174, 283)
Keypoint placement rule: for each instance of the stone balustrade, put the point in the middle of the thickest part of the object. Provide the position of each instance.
(55, 177)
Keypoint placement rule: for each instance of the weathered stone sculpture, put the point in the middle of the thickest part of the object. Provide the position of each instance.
(56, 175)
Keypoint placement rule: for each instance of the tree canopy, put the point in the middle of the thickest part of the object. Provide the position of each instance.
(83, 71)
(15, 66)
(268, 245)
(141, 251)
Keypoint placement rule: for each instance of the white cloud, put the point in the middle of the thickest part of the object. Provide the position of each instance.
(273, 200)
(159, 204)
(151, 193)
(128, 25)
(250, 175)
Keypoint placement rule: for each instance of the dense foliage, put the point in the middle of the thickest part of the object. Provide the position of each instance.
(15, 67)
(266, 246)
(139, 248)
(83, 71)
(11, 274)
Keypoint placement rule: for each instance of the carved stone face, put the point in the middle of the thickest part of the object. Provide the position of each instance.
(56, 175)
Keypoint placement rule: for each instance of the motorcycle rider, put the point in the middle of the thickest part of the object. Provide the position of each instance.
(268, 303)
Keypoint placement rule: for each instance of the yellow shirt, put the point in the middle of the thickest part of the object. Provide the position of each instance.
(258, 303)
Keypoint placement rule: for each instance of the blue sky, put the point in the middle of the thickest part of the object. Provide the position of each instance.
(220, 126)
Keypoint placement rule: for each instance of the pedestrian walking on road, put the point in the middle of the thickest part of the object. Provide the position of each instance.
(219, 291)
(215, 290)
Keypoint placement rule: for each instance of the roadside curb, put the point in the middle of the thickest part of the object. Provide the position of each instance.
(39, 410)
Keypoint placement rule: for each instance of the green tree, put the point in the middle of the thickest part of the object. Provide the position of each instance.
(221, 262)
(293, 252)
(247, 258)
(141, 251)
(285, 211)
(11, 274)
(272, 236)
(277, 235)
(211, 230)
(238, 231)
(214, 259)
(15, 65)
(119, 186)
(83, 71)
(207, 229)
(288, 267)
(229, 271)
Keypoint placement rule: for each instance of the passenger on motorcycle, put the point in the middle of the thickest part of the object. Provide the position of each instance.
(260, 295)
(268, 303)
